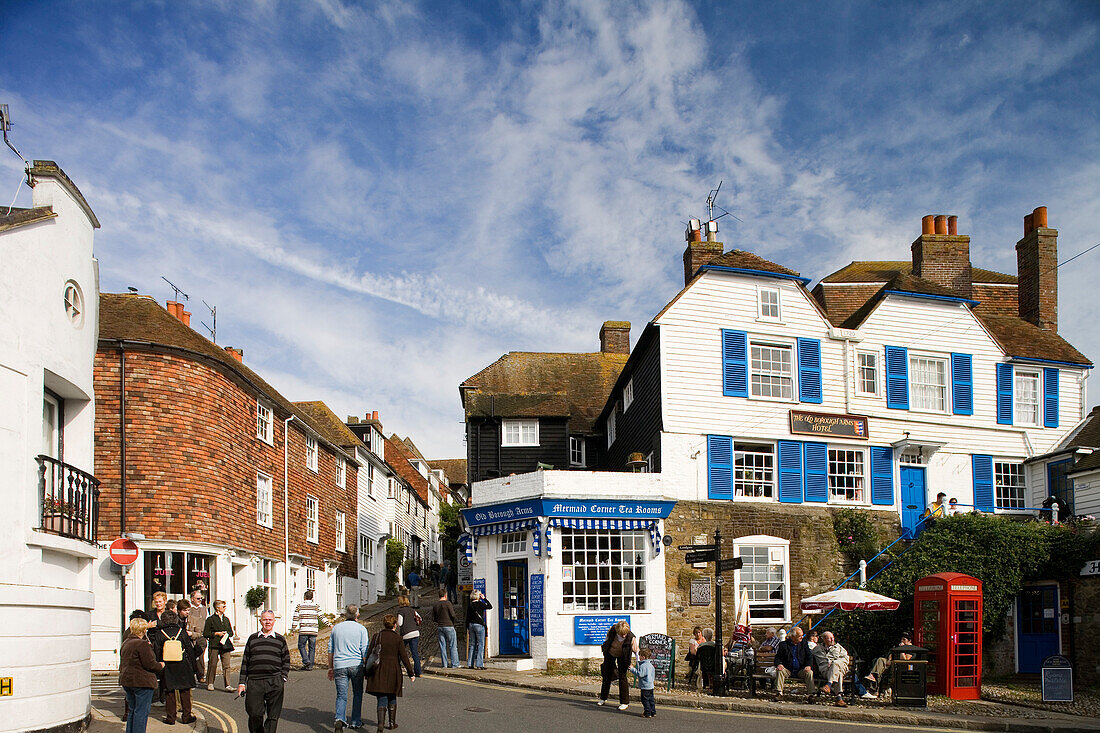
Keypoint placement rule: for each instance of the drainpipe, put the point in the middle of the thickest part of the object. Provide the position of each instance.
(122, 470)
(286, 519)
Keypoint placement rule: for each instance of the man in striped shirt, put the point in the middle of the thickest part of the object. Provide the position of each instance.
(265, 668)
(305, 621)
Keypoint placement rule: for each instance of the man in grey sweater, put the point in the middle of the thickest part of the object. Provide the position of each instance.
(443, 613)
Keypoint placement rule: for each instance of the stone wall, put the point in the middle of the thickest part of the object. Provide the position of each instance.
(816, 563)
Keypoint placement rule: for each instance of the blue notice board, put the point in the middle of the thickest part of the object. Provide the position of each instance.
(479, 584)
(536, 611)
(592, 630)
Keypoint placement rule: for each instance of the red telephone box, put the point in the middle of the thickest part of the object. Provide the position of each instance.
(948, 623)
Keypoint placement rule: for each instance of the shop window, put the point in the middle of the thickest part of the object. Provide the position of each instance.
(177, 573)
(513, 543)
(603, 570)
(765, 575)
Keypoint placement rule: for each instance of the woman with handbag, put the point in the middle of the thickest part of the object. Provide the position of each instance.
(137, 675)
(220, 633)
(173, 647)
(408, 625)
(385, 655)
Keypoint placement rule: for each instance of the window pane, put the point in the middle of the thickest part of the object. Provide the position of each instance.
(868, 373)
(846, 475)
(753, 470)
(1026, 392)
(1009, 479)
(928, 384)
(770, 368)
(610, 576)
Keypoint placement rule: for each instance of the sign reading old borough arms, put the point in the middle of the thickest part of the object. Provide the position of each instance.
(836, 426)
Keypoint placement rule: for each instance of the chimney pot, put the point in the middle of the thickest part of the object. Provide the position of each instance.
(927, 226)
(185, 316)
(171, 307)
(953, 225)
(237, 354)
(1039, 216)
(1028, 226)
(374, 415)
(941, 224)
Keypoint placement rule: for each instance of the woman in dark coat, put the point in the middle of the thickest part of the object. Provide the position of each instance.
(137, 675)
(621, 645)
(178, 676)
(385, 681)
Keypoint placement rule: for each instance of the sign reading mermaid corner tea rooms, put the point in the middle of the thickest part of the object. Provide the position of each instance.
(835, 426)
(584, 508)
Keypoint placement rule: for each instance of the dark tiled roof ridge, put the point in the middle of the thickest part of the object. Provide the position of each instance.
(746, 260)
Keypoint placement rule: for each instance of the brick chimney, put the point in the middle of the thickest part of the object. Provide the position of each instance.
(942, 255)
(698, 252)
(615, 337)
(237, 354)
(1037, 271)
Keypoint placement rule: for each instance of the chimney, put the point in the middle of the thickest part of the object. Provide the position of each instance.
(942, 255)
(374, 415)
(1037, 271)
(615, 337)
(698, 252)
(237, 354)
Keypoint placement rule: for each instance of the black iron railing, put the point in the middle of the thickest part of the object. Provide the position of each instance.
(70, 499)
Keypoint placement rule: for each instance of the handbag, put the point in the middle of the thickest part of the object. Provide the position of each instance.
(374, 654)
(227, 645)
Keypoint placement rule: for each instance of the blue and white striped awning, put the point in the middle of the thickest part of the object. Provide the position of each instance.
(652, 525)
(503, 527)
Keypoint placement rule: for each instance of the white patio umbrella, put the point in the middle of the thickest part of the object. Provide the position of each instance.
(849, 599)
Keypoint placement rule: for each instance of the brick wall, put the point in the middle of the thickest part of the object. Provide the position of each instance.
(1037, 274)
(816, 564)
(698, 254)
(945, 260)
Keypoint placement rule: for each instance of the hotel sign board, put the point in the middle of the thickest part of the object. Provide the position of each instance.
(833, 426)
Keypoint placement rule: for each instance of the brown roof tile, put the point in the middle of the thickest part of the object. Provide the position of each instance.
(22, 217)
(528, 384)
(453, 468)
(328, 424)
(750, 261)
(863, 271)
(1018, 337)
(398, 455)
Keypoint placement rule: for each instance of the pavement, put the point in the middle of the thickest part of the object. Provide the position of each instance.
(998, 717)
(107, 717)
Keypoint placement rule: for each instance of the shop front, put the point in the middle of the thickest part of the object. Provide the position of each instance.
(560, 570)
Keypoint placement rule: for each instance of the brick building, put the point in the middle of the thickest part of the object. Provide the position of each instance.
(230, 484)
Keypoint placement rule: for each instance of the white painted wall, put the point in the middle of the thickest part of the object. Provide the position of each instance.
(1086, 496)
(44, 577)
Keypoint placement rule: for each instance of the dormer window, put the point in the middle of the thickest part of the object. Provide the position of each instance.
(768, 303)
(518, 433)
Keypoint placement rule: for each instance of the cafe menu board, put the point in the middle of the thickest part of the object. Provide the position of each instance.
(664, 656)
(537, 604)
(1057, 679)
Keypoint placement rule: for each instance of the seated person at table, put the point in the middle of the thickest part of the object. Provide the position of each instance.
(771, 640)
(831, 662)
(793, 659)
(879, 676)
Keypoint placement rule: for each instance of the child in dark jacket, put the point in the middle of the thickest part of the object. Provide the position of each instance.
(646, 674)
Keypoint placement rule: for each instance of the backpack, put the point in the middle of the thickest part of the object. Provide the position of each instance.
(173, 647)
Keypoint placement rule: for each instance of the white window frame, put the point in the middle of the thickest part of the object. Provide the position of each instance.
(265, 419)
(311, 579)
(514, 543)
(1021, 375)
(778, 552)
(589, 581)
(915, 402)
(267, 576)
(844, 458)
(341, 472)
(577, 455)
(311, 453)
(519, 433)
(264, 506)
(391, 486)
(74, 303)
(875, 370)
(366, 554)
(1003, 493)
(628, 394)
(341, 532)
(744, 448)
(790, 375)
(761, 305)
(611, 420)
(313, 519)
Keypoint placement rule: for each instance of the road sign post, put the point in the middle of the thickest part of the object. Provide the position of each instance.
(719, 661)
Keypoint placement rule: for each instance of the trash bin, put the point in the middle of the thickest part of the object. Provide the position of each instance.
(910, 676)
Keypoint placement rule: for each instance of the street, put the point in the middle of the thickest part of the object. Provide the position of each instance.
(443, 704)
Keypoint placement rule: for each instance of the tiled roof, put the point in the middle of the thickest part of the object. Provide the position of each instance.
(521, 384)
(864, 271)
(1088, 435)
(21, 217)
(453, 468)
(325, 420)
(141, 319)
(397, 455)
(750, 261)
(1090, 462)
(1018, 337)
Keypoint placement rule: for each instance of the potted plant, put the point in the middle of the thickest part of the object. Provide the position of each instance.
(58, 515)
(254, 598)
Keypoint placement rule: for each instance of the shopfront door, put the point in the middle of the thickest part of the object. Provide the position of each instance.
(1036, 627)
(514, 629)
(912, 498)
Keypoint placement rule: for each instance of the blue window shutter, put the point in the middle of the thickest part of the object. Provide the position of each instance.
(897, 378)
(815, 463)
(719, 467)
(790, 471)
(962, 384)
(1004, 394)
(735, 363)
(1050, 398)
(882, 475)
(809, 370)
(983, 482)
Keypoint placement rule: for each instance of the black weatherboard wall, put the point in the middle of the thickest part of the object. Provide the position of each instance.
(638, 428)
(486, 458)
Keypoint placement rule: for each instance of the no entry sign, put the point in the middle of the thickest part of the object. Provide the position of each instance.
(124, 551)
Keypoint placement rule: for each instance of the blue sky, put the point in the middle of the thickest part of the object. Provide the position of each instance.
(382, 198)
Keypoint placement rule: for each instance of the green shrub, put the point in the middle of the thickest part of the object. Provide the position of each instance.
(255, 598)
(856, 535)
(395, 553)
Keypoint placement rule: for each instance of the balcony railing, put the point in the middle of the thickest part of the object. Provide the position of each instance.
(70, 499)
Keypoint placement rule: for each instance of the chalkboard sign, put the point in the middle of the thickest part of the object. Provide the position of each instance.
(664, 656)
(537, 604)
(592, 630)
(700, 592)
(1057, 679)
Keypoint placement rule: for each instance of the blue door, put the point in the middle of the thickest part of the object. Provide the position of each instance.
(1036, 627)
(514, 630)
(912, 498)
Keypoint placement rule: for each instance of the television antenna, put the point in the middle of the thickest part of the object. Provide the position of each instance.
(213, 319)
(5, 125)
(712, 199)
(176, 288)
